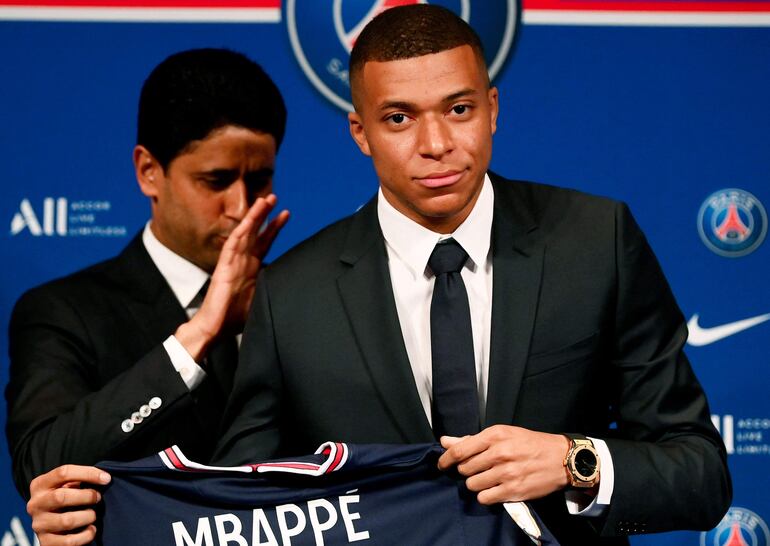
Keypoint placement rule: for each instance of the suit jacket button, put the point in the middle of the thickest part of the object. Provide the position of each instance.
(127, 425)
(155, 402)
(136, 418)
(145, 411)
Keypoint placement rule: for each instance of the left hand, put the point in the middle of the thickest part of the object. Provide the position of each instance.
(504, 463)
(62, 504)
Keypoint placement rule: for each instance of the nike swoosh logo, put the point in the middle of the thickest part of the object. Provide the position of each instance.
(705, 336)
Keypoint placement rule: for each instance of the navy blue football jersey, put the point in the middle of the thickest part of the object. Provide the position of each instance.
(343, 494)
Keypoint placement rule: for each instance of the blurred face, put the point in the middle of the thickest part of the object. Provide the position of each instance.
(427, 123)
(206, 190)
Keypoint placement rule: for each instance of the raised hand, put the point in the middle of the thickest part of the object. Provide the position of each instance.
(229, 296)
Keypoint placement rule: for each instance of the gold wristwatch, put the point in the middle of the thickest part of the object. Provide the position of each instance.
(581, 462)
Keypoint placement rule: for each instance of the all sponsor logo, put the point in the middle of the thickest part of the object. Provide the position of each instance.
(323, 33)
(739, 527)
(744, 435)
(60, 217)
(732, 222)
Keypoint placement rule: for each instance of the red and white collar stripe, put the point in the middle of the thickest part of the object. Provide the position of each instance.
(336, 455)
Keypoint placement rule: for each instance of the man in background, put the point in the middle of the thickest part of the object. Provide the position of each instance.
(134, 354)
(528, 328)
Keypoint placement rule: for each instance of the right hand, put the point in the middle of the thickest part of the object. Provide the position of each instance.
(62, 513)
(227, 302)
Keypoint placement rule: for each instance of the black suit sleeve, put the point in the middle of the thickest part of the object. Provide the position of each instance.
(252, 417)
(670, 462)
(63, 407)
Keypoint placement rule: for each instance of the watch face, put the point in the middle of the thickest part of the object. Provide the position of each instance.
(585, 462)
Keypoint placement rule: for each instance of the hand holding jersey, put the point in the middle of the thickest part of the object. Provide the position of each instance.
(344, 493)
(505, 463)
(54, 494)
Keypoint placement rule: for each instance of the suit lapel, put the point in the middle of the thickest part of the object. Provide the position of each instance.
(367, 296)
(151, 301)
(517, 255)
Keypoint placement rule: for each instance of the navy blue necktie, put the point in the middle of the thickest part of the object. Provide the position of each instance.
(455, 394)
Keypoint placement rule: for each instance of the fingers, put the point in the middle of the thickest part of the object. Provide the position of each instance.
(268, 235)
(257, 213)
(85, 536)
(476, 458)
(461, 449)
(499, 483)
(499, 493)
(60, 523)
(68, 474)
(63, 497)
(260, 210)
(247, 237)
(449, 441)
(504, 463)
(54, 494)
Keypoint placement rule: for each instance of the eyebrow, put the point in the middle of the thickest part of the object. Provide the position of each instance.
(460, 94)
(218, 172)
(410, 107)
(232, 172)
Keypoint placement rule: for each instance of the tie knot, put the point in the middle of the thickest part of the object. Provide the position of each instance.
(447, 257)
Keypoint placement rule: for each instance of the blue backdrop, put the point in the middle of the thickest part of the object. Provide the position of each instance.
(660, 104)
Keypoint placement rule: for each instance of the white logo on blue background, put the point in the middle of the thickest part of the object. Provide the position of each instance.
(64, 218)
(739, 527)
(732, 222)
(322, 35)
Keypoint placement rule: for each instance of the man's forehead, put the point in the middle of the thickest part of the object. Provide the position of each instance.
(462, 51)
(227, 148)
(435, 77)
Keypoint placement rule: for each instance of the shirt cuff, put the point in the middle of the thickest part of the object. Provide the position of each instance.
(581, 504)
(188, 369)
(524, 517)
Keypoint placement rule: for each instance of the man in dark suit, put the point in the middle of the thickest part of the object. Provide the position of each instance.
(564, 353)
(137, 353)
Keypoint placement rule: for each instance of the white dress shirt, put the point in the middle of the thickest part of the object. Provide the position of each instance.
(409, 247)
(186, 281)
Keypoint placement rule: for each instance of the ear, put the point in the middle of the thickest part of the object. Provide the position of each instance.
(149, 172)
(358, 133)
(493, 108)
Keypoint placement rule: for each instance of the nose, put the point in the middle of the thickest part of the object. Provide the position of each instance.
(435, 138)
(236, 200)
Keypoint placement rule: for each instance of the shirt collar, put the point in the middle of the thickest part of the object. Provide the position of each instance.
(184, 277)
(413, 244)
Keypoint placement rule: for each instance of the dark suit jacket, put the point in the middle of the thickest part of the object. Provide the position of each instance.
(86, 352)
(586, 338)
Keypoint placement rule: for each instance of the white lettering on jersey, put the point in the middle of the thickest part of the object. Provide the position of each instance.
(292, 522)
(202, 535)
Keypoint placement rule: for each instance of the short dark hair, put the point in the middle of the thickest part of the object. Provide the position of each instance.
(406, 32)
(194, 92)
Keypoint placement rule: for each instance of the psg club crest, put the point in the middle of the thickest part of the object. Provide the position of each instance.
(732, 222)
(322, 33)
(739, 527)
